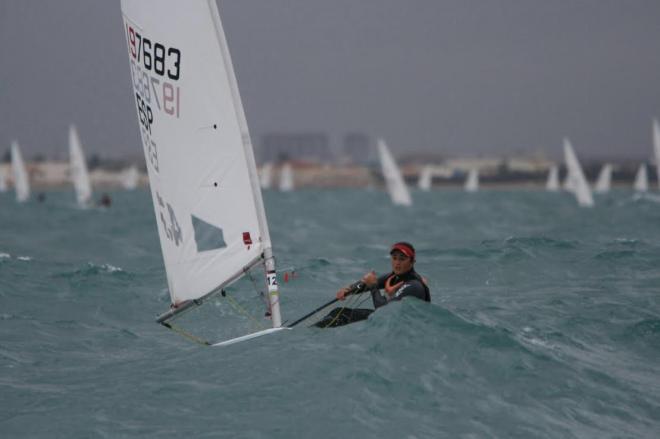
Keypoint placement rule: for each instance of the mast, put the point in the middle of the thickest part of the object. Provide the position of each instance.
(269, 260)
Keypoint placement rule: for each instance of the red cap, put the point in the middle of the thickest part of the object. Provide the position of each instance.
(405, 248)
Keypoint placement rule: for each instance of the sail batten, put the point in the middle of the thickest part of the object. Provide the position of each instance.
(200, 163)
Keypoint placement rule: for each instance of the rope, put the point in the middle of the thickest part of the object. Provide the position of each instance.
(259, 292)
(352, 299)
(185, 334)
(242, 310)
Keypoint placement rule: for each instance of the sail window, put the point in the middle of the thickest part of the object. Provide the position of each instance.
(207, 236)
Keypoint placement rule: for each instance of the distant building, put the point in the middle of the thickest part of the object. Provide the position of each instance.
(357, 149)
(279, 147)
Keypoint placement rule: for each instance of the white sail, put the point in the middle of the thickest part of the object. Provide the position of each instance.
(641, 179)
(78, 169)
(3, 179)
(552, 184)
(656, 149)
(577, 183)
(130, 178)
(604, 179)
(396, 187)
(202, 173)
(472, 181)
(286, 178)
(425, 177)
(569, 184)
(266, 176)
(21, 180)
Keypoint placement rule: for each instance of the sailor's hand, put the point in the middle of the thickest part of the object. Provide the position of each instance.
(370, 279)
(341, 294)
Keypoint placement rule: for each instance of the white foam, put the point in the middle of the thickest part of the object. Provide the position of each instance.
(24, 258)
(111, 268)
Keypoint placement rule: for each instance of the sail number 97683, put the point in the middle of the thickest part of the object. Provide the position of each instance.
(154, 56)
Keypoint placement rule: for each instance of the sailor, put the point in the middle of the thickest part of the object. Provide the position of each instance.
(402, 281)
(105, 200)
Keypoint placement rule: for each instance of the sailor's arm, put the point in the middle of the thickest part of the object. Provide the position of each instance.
(368, 282)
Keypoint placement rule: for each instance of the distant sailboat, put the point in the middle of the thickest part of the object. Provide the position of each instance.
(130, 178)
(78, 167)
(3, 180)
(203, 177)
(575, 180)
(641, 179)
(656, 149)
(472, 181)
(286, 178)
(266, 176)
(396, 187)
(552, 184)
(425, 177)
(21, 180)
(604, 179)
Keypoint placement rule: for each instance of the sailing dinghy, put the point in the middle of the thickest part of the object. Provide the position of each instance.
(266, 176)
(130, 178)
(202, 172)
(575, 180)
(425, 178)
(3, 180)
(286, 178)
(78, 168)
(641, 179)
(21, 181)
(604, 179)
(472, 181)
(552, 184)
(396, 187)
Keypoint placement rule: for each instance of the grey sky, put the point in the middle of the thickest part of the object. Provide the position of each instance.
(459, 77)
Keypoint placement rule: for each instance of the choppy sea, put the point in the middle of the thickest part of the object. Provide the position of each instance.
(545, 323)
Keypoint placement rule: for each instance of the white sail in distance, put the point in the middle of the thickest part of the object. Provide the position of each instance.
(3, 179)
(552, 184)
(396, 187)
(266, 176)
(425, 177)
(21, 180)
(202, 173)
(576, 180)
(641, 179)
(286, 178)
(604, 179)
(472, 181)
(656, 149)
(130, 178)
(78, 168)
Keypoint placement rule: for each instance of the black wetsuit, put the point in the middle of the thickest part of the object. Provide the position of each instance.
(413, 286)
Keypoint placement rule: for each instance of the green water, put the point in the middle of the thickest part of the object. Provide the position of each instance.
(545, 322)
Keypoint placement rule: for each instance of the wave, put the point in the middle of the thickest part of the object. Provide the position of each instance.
(541, 242)
(91, 269)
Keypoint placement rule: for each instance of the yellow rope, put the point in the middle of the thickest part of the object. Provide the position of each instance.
(351, 301)
(187, 335)
(242, 310)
